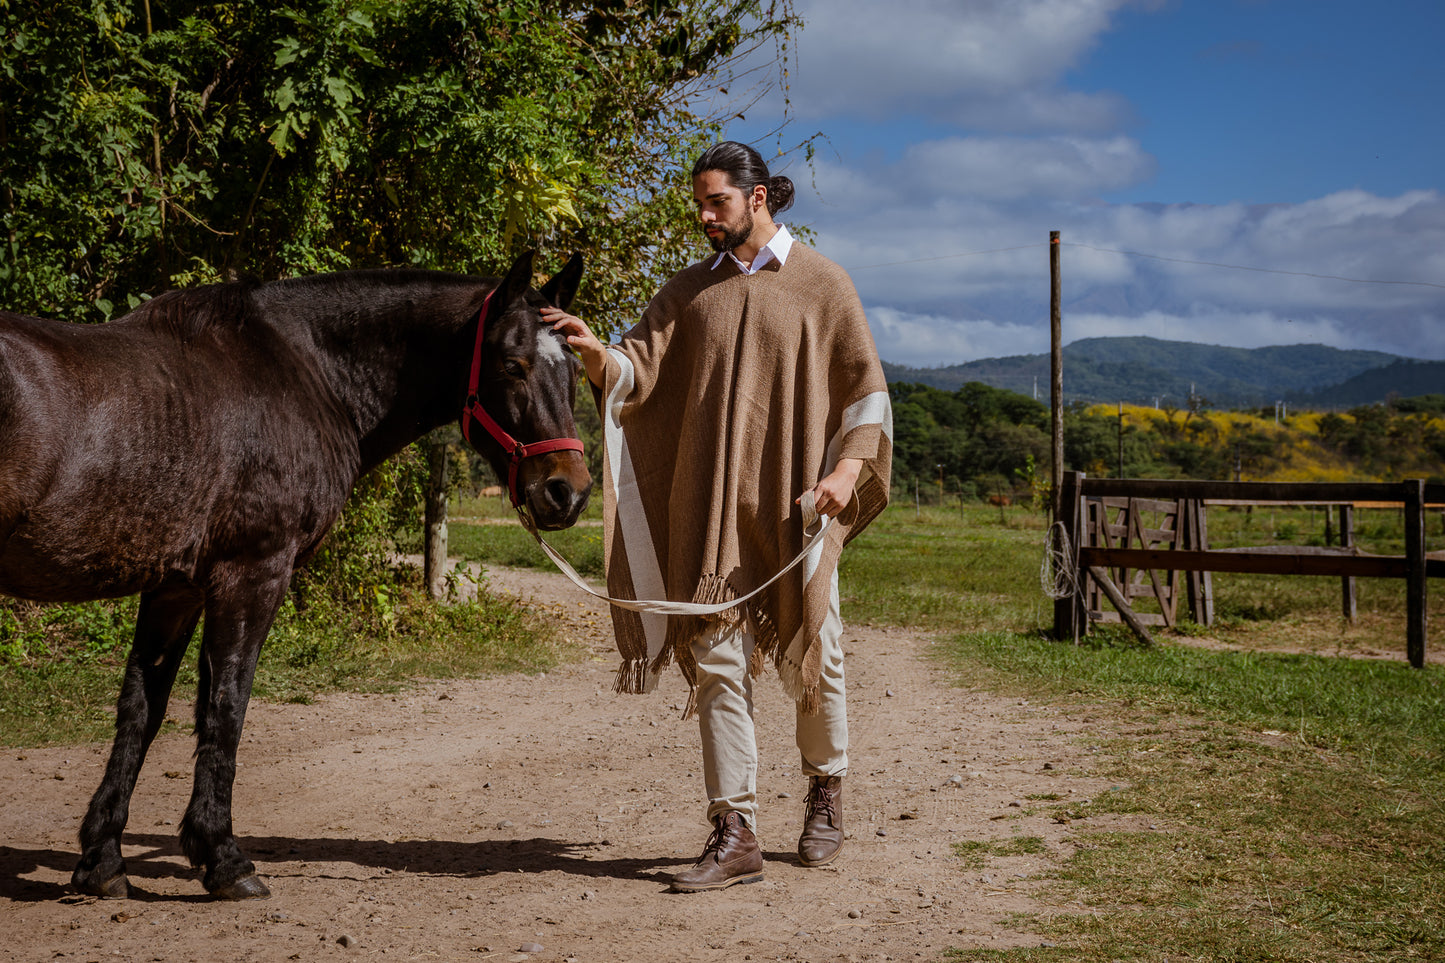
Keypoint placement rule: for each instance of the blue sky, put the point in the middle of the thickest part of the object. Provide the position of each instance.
(1296, 136)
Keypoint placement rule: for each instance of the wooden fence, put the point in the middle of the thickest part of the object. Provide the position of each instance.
(1131, 539)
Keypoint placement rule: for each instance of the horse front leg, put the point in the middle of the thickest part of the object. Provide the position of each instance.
(239, 613)
(164, 625)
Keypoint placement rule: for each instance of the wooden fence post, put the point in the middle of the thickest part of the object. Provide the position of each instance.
(1347, 582)
(1416, 616)
(434, 559)
(1069, 611)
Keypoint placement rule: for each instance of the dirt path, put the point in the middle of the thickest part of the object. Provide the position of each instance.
(541, 817)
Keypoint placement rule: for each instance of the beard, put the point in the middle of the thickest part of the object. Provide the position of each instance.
(732, 235)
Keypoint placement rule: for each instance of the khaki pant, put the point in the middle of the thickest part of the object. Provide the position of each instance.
(725, 715)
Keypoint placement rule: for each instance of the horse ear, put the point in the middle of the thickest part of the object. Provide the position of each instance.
(560, 291)
(518, 279)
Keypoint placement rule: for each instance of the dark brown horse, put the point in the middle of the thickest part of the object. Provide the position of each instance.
(197, 450)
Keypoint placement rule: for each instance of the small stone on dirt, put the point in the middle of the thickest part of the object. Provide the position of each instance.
(530, 948)
(854, 914)
(505, 824)
(346, 940)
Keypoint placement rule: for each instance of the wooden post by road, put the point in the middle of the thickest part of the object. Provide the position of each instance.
(1056, 375)
(434, 559)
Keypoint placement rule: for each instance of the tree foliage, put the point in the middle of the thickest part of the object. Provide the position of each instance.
(980, 441)
(148, 144)
(976, 439)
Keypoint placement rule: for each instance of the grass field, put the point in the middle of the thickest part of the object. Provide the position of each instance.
(1298, 788)
(61, 666)
(1301, 794)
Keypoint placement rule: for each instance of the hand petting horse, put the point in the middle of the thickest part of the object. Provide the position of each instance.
(197, 450)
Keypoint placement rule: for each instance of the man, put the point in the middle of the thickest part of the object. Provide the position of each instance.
(751, 380)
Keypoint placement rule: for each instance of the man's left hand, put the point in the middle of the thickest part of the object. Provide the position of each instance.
(833, 493)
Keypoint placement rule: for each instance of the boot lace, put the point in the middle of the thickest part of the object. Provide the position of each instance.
(820, 801)
(716, 840)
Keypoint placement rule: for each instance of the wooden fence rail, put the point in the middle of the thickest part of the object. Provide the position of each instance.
(1112, 567)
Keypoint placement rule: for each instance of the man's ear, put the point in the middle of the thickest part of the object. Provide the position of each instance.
(760, 197)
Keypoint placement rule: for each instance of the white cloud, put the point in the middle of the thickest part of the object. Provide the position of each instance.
(1226, 274)
(1028, 155)
(930, 341)
(986, 62)
(1210, 325)
(1351, 235)
(921, 340)
(1009, 168)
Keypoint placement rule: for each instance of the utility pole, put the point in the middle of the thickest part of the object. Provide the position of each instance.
(1056, 372)
(1121, 439)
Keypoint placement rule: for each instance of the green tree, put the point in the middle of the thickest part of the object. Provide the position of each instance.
(146, 145)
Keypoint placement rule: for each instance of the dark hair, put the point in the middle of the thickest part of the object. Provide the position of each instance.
(745, 170)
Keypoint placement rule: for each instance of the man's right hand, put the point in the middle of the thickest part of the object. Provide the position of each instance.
(582, 340)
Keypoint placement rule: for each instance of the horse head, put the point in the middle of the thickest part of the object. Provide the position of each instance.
(525, 382)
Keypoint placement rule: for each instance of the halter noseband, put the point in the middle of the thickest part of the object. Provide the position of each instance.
(473, 409)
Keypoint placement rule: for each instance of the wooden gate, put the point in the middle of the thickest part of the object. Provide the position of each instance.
(1102, 547)
(1147, 523)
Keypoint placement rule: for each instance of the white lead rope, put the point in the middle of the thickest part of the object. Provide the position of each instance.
(811, 518)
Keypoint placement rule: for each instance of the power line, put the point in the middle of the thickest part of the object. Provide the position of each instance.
(1155, 257)
(1263, 271)
(947, 257)
(1241, 267)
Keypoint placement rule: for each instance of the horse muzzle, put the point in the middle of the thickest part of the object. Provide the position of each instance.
(555, 488)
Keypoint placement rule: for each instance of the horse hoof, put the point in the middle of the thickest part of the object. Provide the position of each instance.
(117, 887)
(247, 887)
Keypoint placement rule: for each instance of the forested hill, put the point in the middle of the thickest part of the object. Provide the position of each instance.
(1147, 371)
(1403, 378)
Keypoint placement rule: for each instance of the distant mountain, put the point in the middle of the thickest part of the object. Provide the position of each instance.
(1148, 371)
(1403, 378)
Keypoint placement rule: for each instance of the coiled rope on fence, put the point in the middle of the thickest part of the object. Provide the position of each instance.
(1059, 570)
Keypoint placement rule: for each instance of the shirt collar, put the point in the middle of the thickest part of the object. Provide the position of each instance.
(778, 247)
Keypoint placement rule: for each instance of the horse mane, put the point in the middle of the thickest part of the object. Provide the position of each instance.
(192, 312)
(399, 281)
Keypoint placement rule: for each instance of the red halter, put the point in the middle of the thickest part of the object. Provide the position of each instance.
(473, 409)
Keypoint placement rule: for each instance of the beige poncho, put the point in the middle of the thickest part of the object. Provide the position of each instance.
(734, 395)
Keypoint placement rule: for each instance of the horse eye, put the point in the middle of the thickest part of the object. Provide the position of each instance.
(514, 368)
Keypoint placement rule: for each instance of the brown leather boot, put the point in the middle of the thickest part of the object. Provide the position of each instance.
(822, 837)
(731, 856)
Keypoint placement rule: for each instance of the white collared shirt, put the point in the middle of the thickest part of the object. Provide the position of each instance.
(778, 247)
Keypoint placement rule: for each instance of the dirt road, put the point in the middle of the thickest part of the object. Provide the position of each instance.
(539, 818)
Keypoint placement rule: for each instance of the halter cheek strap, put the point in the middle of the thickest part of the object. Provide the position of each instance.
(473, 410)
